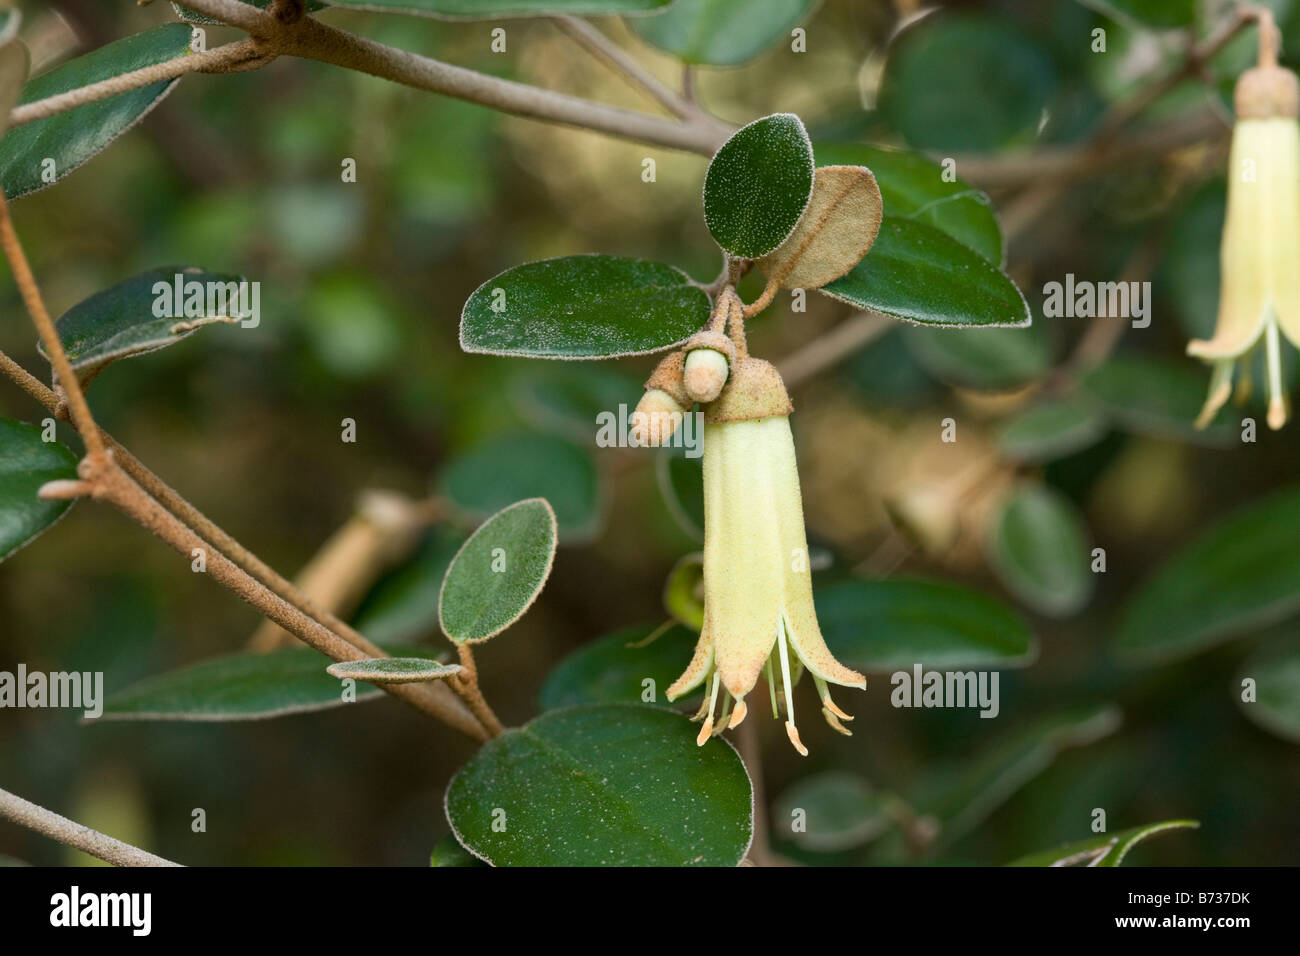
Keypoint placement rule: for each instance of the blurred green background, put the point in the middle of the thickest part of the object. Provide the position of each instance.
(362, 286)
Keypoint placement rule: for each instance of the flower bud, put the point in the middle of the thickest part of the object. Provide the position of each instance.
(656, 417)
(706, 372)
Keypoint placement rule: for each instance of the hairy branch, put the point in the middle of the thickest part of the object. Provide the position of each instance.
(613, 55)
(99, 845)
(226, 58)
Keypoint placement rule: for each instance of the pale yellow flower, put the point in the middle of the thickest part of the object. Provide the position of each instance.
(1259, 296)
(758, 599)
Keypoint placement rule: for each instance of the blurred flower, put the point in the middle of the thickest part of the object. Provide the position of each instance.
(758, 599)
(1259, 297)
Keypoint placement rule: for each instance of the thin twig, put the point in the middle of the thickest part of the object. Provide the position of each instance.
(31, 295)
(69, 833)
(833, 346)
(219, 59)
(310, 39)
(613, 55)
(466, 684)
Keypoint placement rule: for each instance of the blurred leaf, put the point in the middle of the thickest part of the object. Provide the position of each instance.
(71, 138)
(1103, 849)
(567, 399)
(758, 185)
(883, 626)
(26, 463)
(919, 273)
(684, 592)
(450, 853)
(352, 325)
(972, 83)
(498, 573)
(239, 687)
(987, 359)
(989, 780)
(193, 16)
(510, 468)
(915, 188)
(1189, 270)
(1049, 429)
(121, 321)
(604, 785)
(1039, 548)
(393, 670)
(1155, 13)
(1157, 397)
(610, 670)
(583, 307)
(681, 482)
(13, 66)
(403, 605)
(839, 811)
(10, 21)
(1276, 672)
(1241, 573)
(835, 232)
(496, 9)
(721, 32)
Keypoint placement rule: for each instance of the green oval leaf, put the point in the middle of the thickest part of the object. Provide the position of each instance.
(1240, 574)
(1157, 397)
(485, 479)
(26, 463)
(392, 670)
(973, 83)
(498, 573)
(915, 188)
(839, 811)
(566, 399)
(73, 137)
(1104, 849)
(497, 9)
(611, 668)
(921, 274)
(681, 482)
(583, 307)
(1276, 673)
(990, 360)
(1039, 548)
(450, 853)
(989, 780)
(895, 624)
(604, 785)
(403, 604)
(721, 32)
(193, 16)
(1050, 429)
(121, 321)
(239, 687)
(758, 185)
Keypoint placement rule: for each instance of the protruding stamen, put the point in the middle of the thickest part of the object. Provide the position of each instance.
(724, 718)
(825, 692)
(771, 687)
(1276, 394)
(704, 709)
(835, 722)
(794, 739)
(705, 732)
(785, 671)
(1220, 392)
(738, 714)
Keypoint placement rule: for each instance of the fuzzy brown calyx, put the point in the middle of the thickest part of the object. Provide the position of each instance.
(755, 390)
(668, 377)
(1263, 92)
(709, 357)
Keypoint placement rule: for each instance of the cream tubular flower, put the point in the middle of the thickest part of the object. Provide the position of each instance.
(1259, 297)
(758, 599)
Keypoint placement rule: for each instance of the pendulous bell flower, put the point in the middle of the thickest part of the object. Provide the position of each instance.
(758, 600)
(1259, 297)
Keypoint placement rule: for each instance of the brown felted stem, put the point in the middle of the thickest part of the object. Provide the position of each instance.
(754, 390)
(466, 684)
